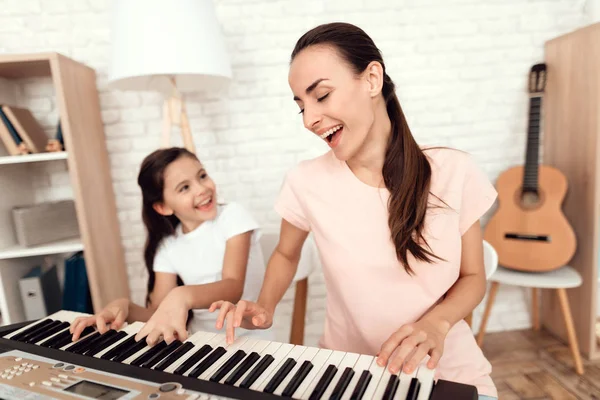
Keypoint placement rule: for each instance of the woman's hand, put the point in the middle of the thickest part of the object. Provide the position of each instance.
(169, 320)
(245, 314)
(115, 314)
(409, 345)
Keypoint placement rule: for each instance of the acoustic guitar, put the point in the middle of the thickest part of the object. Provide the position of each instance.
(529, 230)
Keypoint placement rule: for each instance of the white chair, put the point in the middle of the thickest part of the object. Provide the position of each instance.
(490, 263)
(308, 261)
(560, 280)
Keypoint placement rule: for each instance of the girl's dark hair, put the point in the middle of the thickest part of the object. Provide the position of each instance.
(151, 181)
(406, 170)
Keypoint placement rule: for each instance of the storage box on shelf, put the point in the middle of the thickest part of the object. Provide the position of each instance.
(87, 163)
(571, 143)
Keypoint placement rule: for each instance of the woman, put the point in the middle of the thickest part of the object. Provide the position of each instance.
(397, 226)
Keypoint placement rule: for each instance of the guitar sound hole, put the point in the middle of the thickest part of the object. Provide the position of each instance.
(529, 200)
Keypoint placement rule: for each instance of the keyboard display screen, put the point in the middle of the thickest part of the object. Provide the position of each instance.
(96, 390)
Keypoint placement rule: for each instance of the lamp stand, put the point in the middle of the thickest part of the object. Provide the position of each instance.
(174, 113)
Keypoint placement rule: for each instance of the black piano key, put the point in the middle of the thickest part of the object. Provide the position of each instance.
(174, 356)
(228, 366)
(131, 350)
(391, 387)
(207, 362)
(413, 389)
(161, 354)
(98, 341)
(297, 379)
(94, 342)
(149, 353)
(361, 386)
(242, 368)
(323, 382)
(280, 375)
(55, 339)
(119, 349)
(257, 371)
(83, 343)
(342, 384)
(190, 362)
(63, 341)
(104, 344)
(46, 333)
(32, 329)
(41, 331)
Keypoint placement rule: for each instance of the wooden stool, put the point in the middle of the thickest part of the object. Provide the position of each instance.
(560, 280)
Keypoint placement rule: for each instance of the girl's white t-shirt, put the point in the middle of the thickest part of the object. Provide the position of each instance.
(197, 257)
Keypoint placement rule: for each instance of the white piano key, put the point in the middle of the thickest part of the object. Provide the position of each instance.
(131, 329)
(363, 363)
(219, 340)
(294, 354)
(307, 355)
(270, 348)
(349, 360)
(318, 361)
(231, 350)
(376, 372)
(199, 339)
(425, 377)
(334, 359)
(404, 384)
(383, 382)
(278, 356)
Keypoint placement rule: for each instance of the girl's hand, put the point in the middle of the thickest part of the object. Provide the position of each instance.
(245, 314)
(419, 339)
(169, 320)
(115, 314)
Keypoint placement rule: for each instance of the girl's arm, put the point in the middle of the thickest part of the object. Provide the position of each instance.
(164, 282)
(231, 285)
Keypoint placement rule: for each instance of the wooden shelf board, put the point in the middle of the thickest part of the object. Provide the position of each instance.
(61, 246)
(27, 158)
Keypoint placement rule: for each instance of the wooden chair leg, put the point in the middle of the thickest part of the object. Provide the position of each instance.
(299, 312)
(469, 319)
(535, 309)
(487, 311)
(566, 311)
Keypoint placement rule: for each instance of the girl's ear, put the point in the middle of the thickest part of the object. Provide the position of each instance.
(162, 209)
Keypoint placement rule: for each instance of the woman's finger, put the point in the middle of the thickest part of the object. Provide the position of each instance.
(225, 307)
(240, 311)
(421, 352)
(215, 305)
(388, 347)
(230, 335)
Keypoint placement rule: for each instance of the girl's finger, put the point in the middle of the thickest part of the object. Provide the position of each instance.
(153, 337)
(222, 314)
(230, 328)
(240, 310)
(407, 346)
(436, 354)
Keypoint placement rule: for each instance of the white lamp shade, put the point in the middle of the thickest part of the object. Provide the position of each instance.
(154, 41)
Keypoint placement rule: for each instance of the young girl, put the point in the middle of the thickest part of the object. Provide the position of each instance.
(397, 226)
(197, 251)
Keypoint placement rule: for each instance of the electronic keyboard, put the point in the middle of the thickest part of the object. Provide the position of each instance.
(40, 359)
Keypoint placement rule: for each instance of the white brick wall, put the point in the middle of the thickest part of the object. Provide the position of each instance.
(460, 67)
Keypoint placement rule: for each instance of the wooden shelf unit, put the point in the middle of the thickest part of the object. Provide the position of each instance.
(87, 162)
(571, 143)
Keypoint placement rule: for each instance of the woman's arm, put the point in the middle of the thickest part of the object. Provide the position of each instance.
(468, 291)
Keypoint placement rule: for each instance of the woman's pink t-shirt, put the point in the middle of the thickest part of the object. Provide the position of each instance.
(369, 294)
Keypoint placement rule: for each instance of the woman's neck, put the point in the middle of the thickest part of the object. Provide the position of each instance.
(367, 164)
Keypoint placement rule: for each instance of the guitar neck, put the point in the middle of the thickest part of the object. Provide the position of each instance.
(530, 176)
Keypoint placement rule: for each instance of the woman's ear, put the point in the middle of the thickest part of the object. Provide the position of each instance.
(162, 209)
(374, 76)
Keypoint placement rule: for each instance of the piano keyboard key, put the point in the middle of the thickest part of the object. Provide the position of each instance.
(283, 369)
(362, 365)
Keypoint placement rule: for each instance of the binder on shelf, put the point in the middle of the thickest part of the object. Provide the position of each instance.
(9, 136)
(76, 291)
(27, 127)
(40, 292)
